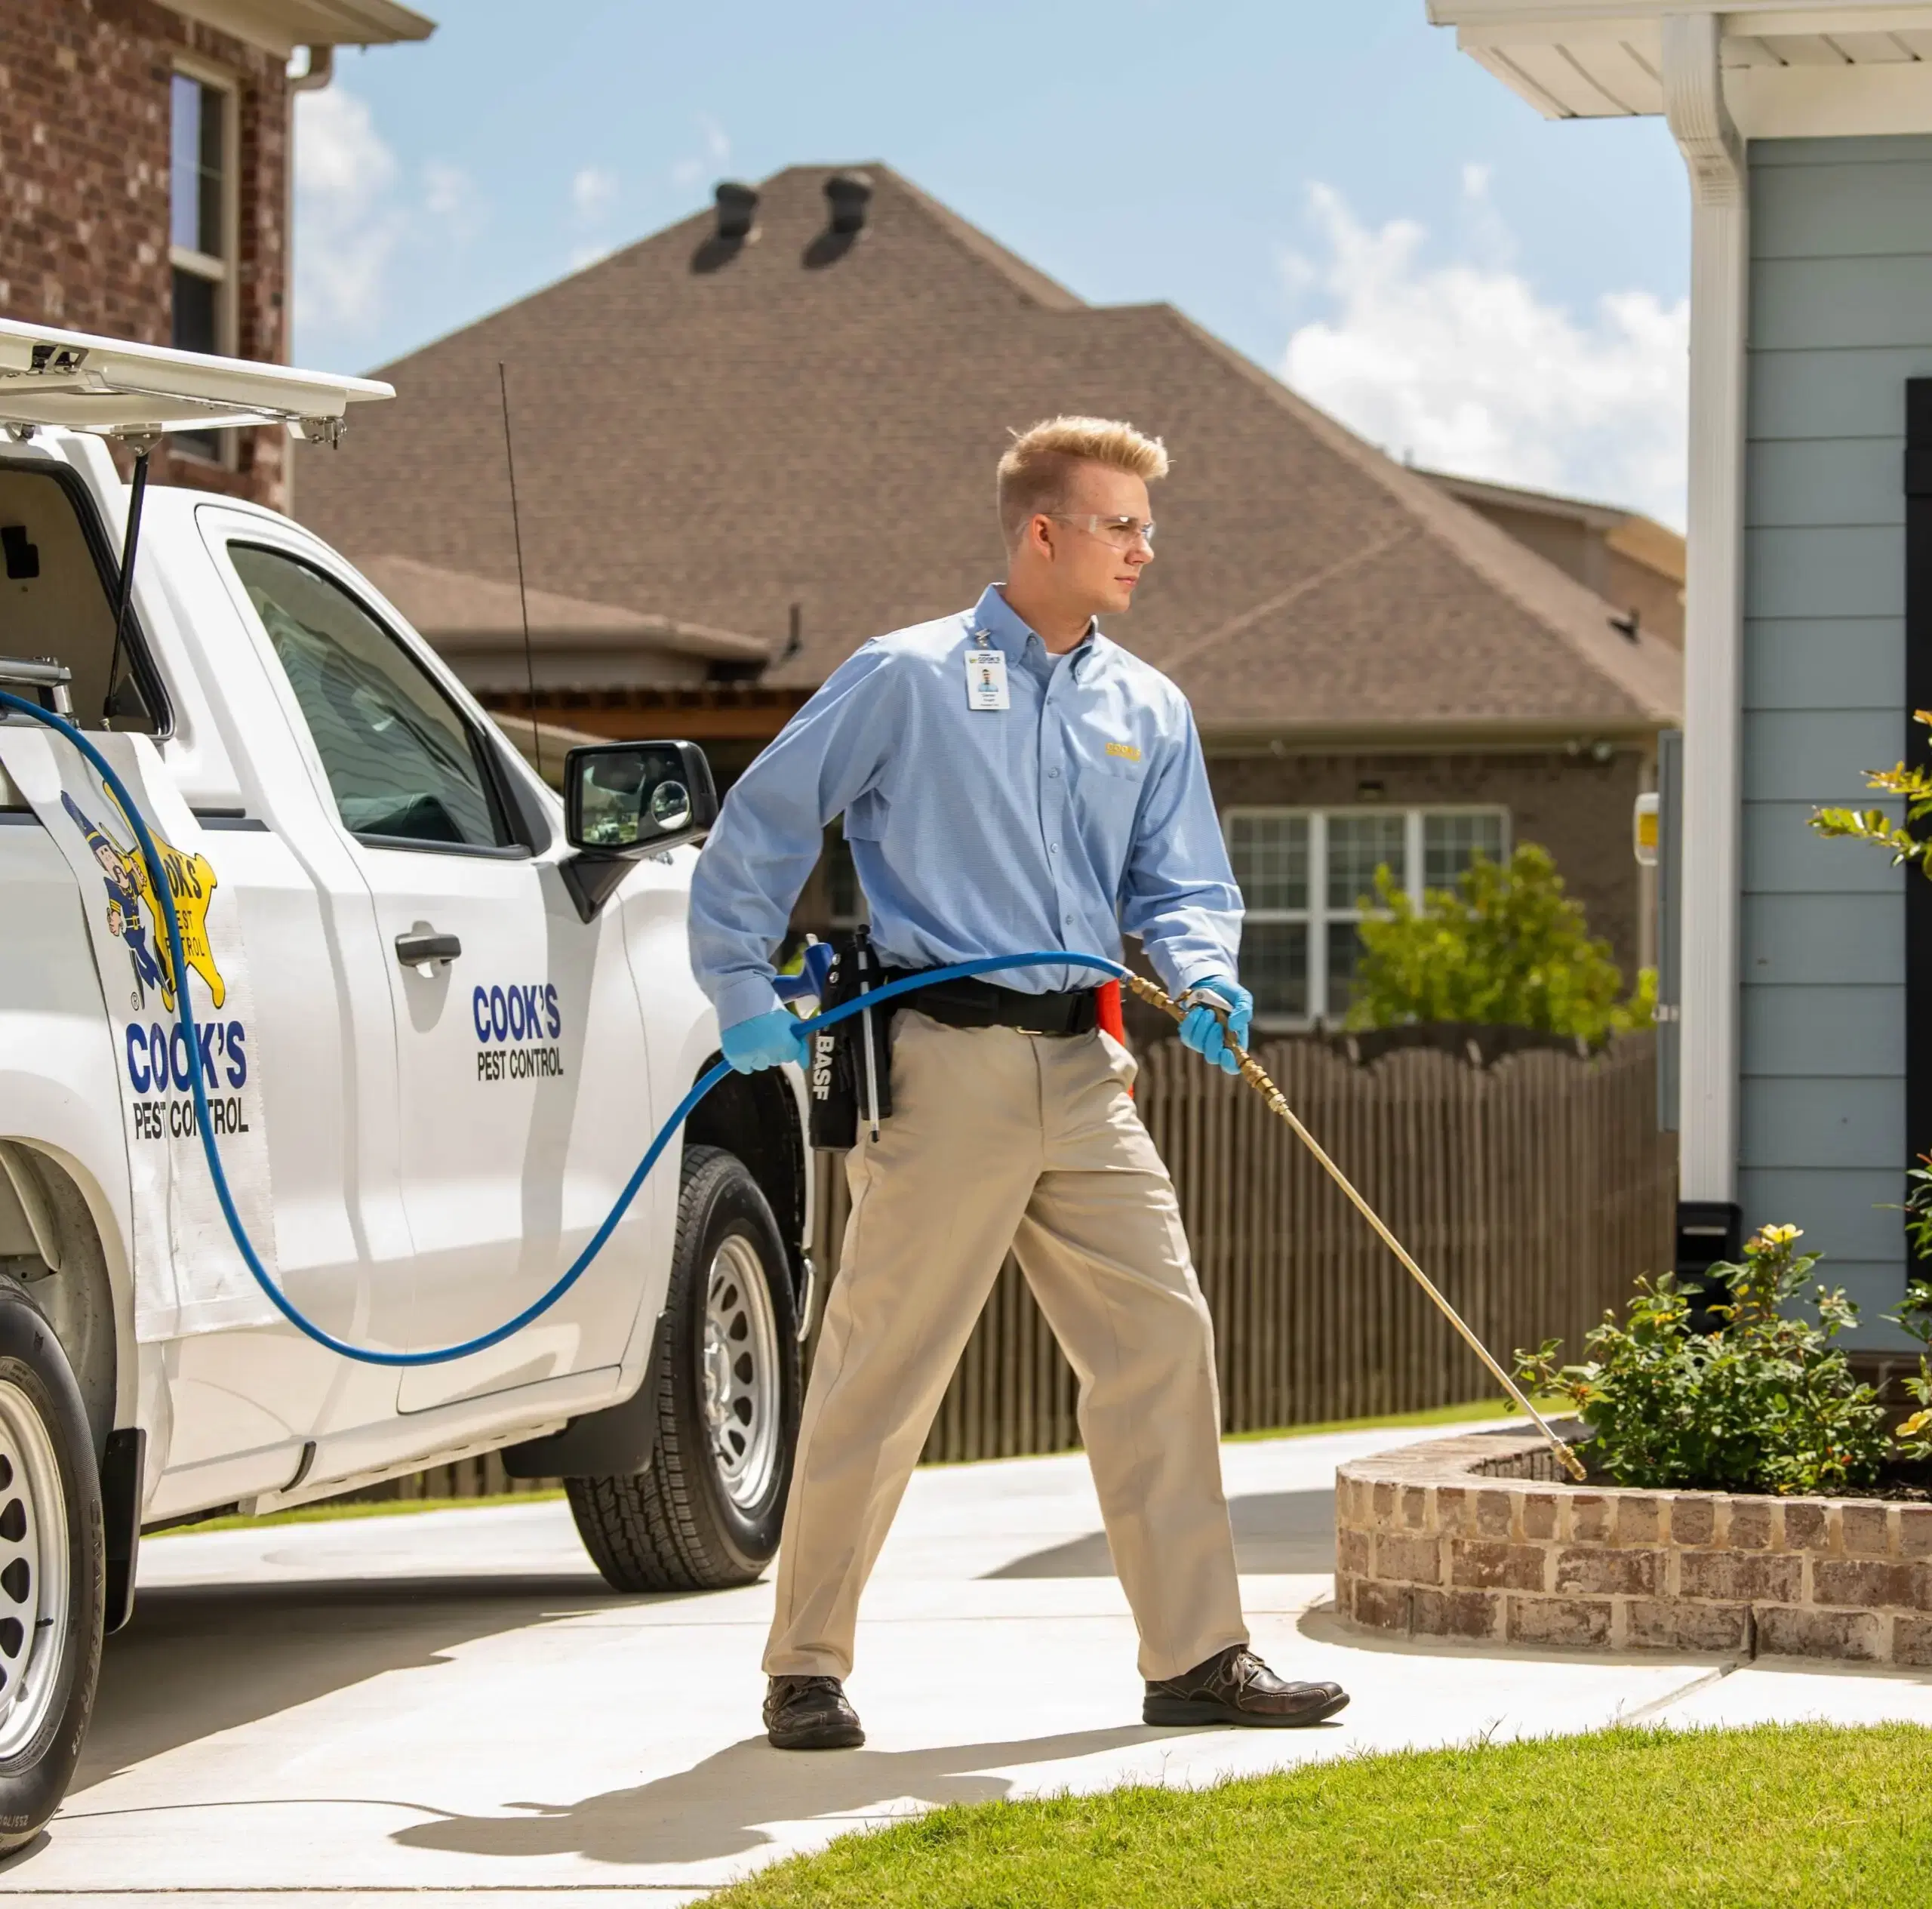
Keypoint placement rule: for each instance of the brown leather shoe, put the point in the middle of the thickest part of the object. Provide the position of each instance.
(811, 1713)
(1236, 1687)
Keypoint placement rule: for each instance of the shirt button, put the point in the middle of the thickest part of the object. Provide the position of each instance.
(1053, 848)
(1068, 919)
(1053, 772)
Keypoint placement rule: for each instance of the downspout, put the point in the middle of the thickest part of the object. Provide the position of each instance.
(320, 70)
(1715, 155)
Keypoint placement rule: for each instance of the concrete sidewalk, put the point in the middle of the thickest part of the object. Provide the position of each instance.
(453, 1701)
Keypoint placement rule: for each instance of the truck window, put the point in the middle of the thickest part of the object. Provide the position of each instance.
(55, 598)
(403, 764)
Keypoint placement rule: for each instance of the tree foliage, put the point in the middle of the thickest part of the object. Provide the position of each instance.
(1906, 842)
(1506, 947)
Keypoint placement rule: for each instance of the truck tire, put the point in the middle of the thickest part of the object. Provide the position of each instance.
(705, 1512)
(52, 1570)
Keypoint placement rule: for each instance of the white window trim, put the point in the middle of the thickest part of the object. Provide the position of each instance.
(1318, 915)
(224, 273)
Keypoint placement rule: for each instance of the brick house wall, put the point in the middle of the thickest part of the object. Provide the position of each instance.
(83, 220)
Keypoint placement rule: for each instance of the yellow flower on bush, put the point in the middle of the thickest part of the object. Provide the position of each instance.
(1770, 1239)
(1916, 1424)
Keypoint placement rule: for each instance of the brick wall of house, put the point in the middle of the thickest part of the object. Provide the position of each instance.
(83, 217)
(1577, 808)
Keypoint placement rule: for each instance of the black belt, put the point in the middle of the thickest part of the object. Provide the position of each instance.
(979, 1004)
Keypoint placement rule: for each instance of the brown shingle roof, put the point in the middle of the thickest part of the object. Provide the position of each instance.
(722, 435)
(479, 613)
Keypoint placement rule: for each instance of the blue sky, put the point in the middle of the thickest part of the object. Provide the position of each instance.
(1331, 187)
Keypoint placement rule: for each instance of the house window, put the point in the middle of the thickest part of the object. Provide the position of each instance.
(201, 226)
(1304, 874)
(845, 900)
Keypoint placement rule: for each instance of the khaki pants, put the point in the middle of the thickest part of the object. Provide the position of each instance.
(1001, 1139)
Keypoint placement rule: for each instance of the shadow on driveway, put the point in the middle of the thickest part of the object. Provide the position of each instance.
(713, 1809)
(200, 1659)
(1275, 1533)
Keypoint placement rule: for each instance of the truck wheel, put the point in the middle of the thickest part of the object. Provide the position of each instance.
(705, 1513)
(52, 1570)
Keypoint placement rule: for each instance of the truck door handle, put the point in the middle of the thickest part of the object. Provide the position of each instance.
(419, 951)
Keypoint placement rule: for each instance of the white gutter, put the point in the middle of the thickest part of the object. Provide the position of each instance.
(1719, 251)
(320, 70)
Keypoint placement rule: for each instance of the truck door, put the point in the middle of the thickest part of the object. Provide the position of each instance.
(524, 1098)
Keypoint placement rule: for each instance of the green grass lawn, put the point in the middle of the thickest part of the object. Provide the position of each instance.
(1472, 1411)
(1804, 1815)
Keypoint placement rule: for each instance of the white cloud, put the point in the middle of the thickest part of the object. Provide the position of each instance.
(593, 191)
(348, 226)
(449, 197)
(354, 211)
(714, 156)
(1465, 367)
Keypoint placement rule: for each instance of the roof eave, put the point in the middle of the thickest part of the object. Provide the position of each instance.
(279, 26)
(1430, 736)
(1792, 69)
(468, 640)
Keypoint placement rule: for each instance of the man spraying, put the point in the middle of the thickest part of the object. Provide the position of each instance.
(1010, 780)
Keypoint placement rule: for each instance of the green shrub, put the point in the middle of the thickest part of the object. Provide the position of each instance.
(1767, 1401)
(1507, 947)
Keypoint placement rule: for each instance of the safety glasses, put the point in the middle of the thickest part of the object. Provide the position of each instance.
(1123, 533)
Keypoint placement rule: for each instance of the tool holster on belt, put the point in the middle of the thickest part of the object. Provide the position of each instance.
(850, 1074)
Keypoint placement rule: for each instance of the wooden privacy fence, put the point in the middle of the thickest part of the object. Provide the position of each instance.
(1532, 1192)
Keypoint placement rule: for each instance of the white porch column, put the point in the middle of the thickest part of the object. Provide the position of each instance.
(1714, 606)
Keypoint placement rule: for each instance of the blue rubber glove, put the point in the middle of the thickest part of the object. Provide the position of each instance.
(764, 1041)
(1201, 1030)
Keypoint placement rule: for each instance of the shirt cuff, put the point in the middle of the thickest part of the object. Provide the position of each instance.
(1179, 974)
(744, 997)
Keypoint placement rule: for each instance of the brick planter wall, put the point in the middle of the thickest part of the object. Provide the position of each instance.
(1473, 1538)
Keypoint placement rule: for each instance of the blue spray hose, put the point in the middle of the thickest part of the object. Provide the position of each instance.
(158, 880)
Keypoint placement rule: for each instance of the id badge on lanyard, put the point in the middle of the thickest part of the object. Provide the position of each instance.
(986, 679)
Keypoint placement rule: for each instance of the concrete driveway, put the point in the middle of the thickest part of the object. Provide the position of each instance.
(453, 1701)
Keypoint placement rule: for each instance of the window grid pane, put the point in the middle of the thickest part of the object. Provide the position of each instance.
(1451, 842)
(1344, 947)
(1304, 875)
(196, 328)
(845, 900)
(195, 159)
(1274, 966)
(1357, 845)
(1270, 857)
(184, 164)
(208, 196)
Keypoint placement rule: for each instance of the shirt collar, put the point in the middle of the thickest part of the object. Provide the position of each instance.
(995, 618)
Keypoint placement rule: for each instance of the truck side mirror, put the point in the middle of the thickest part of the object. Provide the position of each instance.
(624, 799)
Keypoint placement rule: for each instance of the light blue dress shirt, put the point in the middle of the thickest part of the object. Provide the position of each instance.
(1080, 812)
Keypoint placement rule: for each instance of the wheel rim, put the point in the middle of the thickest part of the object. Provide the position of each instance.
(741, 1373)
(34, 1587)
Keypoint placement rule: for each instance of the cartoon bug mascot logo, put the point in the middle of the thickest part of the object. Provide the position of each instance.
(191, 881)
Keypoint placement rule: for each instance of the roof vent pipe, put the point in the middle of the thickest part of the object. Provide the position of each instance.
(849, 194)
(737, 207)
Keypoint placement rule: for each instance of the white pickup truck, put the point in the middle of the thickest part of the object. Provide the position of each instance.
(439, 1014)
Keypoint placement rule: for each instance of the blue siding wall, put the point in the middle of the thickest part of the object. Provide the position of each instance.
(1841, 317)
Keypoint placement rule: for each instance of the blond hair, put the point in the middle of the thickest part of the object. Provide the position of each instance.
(1036, 474)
